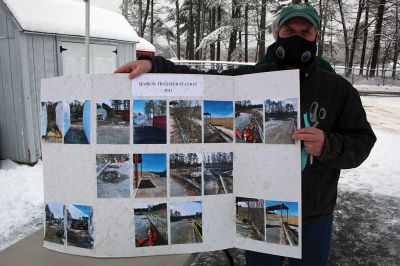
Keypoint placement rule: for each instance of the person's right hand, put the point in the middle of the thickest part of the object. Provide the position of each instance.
(135, 68)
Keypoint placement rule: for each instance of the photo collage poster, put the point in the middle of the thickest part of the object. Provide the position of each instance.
(170, 164)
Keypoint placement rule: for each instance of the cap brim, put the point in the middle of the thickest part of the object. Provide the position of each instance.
(301, 15)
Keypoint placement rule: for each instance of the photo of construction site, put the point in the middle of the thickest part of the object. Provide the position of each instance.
(186, 222)
(280, 120)
(185, 174)
(151, 224)
(112, 118)
(51, 119)
(218, 122)
(249, 127)
(77, 122)
(149, 122)
(150, 175)
(282, 222)
(185, 121)
(112, 172)
(218, 173)
(80, 226)
(54, 226)
(250, 218)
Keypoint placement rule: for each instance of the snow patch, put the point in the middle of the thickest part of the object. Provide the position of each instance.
(67, 17)
(145, 45)
(21, 197)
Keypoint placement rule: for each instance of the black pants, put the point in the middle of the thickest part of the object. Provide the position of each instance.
(316, 242)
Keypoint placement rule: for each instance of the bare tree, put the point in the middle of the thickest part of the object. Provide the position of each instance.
(261, 41)
(377, 37)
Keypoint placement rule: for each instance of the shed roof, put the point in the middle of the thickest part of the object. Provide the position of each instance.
(66, 17)
(145, 45)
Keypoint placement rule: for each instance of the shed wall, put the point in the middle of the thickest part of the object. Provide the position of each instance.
(25, 59)
(13, 142)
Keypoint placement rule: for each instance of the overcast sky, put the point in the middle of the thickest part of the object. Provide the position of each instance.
(112, 5)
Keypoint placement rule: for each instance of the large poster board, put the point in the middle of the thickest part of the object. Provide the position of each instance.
(170, 164)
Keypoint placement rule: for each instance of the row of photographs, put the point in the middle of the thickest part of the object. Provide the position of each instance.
(72, 225)
(269, 221)
(189, 174)
(190, 121)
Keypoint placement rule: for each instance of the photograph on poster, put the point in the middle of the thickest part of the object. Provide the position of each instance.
(185, 174)
(250, 218)
(280, 120)
(218, 173)
(77, 122)
(149, 122)
(80, 228)
(282, 222)
(186, 222)
(51, 122)
(150, 175)
(112, 118)
(218, 121)
(249, 127)
(54, 226)
(112, 172)
(151, 224)
(185, 121)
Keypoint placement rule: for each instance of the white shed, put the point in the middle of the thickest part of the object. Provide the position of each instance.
(42, 39)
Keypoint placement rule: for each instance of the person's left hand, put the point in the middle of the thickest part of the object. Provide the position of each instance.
(314, 139)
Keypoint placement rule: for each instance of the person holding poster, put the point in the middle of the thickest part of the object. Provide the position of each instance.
(335, 135)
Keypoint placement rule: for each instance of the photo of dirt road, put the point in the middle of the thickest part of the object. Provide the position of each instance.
(249, 126)
(186, 222)
(112, 121)
(280, 120)
(150, 175)
(218, 122)
(185, 121)
(151, 224)
(80, 226)
(250, 218)
(149, 122)
(185, 174)
(218, 173)
(282, 222)
(54, 226)
(112, 172)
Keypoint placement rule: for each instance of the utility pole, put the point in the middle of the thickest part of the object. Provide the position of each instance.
(87, 35)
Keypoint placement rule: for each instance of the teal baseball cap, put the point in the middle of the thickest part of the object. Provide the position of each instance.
(301, 10)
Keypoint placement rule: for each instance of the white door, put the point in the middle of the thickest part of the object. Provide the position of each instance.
(104, 59)
(73, 56)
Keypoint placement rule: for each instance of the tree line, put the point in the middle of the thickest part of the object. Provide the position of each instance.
(365, 35)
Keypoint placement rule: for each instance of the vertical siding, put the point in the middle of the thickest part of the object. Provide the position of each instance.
(4, 66)
(39, 62)
(9, 129)
(126, 53)
(15, 100)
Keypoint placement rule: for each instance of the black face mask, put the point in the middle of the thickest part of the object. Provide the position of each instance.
(295, 51)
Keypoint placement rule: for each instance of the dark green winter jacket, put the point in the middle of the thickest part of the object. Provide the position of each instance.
(349, 137)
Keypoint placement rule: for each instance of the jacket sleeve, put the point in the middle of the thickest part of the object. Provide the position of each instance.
(350, 143)
(162, 65)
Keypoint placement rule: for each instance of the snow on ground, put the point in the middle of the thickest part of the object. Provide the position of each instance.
(21, 201)
(380, 173)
